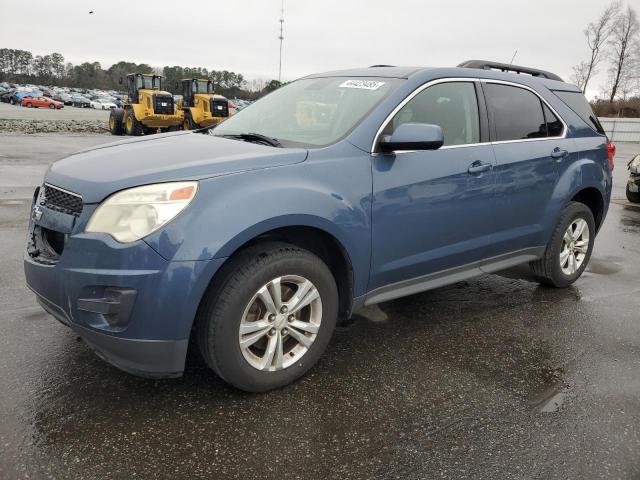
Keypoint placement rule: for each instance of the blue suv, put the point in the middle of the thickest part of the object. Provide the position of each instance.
(343, 189)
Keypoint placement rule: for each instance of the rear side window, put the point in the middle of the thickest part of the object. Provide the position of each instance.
(554, 125)
(576, 102)
(517, 113)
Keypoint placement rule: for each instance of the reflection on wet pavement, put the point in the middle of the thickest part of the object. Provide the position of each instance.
(494, 377)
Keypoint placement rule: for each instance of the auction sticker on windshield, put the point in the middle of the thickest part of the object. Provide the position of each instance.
(364, 84)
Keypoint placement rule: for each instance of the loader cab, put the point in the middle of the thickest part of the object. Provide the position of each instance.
(139, 81)
(193, 86)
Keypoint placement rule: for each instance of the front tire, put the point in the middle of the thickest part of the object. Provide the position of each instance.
(633, 197)
(569, 250)
(268, 317)
(131, 125)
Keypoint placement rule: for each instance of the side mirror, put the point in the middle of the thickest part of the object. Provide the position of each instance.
(413, 136)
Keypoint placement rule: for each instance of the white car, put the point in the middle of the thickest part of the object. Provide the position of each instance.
(103, 104)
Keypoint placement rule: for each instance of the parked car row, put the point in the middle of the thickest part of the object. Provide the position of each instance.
(76, 97)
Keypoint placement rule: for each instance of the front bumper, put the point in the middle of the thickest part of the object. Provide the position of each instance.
(134, 308)
(157, 120)
(145, 358)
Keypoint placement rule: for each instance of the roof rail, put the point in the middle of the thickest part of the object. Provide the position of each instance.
(381, 66)
(503, 67)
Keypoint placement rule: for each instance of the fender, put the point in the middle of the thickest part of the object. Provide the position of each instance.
(585, 172)
(229, 211)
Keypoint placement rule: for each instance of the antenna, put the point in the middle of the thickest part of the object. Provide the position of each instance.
(281, 38)
(512, 58)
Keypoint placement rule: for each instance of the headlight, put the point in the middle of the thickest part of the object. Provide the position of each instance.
(132, 214)
(634, 165)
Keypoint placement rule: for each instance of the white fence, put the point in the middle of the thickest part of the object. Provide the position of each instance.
(621, 129)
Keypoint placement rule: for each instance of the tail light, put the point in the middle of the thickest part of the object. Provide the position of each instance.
(611, 152)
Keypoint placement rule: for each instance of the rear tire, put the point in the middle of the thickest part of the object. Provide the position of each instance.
(131, 125)
(115, 121)
(633, 197)
(567, 253)
(234, 295)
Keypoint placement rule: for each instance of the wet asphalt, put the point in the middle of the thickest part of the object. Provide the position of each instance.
(495, 377)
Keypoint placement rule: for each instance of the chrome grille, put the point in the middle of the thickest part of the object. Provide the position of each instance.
(61, 200)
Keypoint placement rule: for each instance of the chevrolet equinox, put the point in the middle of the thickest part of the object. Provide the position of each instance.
(336, 191)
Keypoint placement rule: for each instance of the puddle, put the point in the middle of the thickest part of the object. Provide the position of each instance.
(554, 403)
(555, 393)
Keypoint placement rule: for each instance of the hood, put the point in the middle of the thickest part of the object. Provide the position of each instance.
(98, 172)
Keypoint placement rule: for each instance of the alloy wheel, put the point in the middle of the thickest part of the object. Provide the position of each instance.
(575, 245)
(280, 323)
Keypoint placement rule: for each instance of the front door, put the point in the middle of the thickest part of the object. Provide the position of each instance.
(433, 210)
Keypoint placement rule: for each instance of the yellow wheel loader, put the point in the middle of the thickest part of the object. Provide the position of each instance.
(201, 107)
(146, 109)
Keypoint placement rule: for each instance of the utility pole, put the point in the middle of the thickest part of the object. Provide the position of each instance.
(281, 38)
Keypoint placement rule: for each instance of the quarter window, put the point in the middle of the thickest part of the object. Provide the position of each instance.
(452, 105)
(517, 114)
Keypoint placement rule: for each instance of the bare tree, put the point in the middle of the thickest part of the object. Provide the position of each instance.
(623, 50)
(580, 73)
(596, 34)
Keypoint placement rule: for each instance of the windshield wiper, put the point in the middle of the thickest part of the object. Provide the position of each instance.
(255, 137)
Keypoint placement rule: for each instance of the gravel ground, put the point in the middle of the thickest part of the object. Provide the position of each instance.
(15, 119)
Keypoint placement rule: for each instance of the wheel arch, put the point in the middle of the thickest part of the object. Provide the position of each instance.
(592, 198)
(584, 181)
(309, 236)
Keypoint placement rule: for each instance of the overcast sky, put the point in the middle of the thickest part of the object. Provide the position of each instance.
(241, 35)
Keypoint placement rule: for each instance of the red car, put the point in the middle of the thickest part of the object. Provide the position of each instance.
(41, 102)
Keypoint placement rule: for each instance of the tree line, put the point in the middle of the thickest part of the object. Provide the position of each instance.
(613, 41)
(21, 66)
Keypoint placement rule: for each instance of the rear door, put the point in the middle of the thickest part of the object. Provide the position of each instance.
(529, 141)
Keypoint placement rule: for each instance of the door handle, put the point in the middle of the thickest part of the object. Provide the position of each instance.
(479, 167)
(559, 153)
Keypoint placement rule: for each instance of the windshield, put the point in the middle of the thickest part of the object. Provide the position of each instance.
(311, 112)
(200, 86)
(147, 82)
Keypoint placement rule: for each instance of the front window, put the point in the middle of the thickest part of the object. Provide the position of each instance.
(453, 106)
(311, 112)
